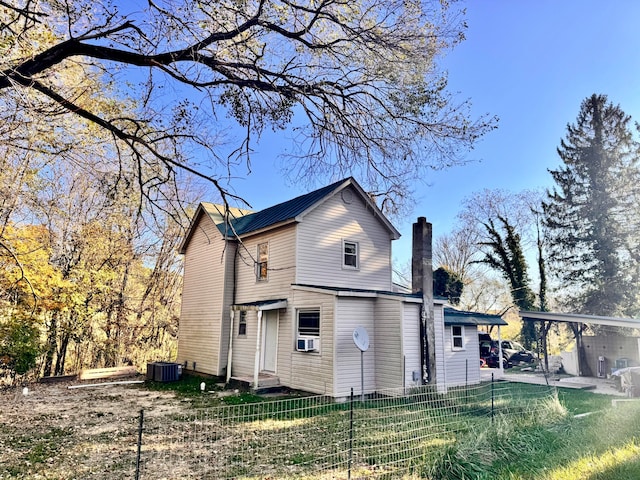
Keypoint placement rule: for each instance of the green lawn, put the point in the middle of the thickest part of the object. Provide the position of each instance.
(531, 434)
(604, 445)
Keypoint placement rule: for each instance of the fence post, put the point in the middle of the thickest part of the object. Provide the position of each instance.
(350, 435)
(492, 396)
(140, 425)
(466, 381)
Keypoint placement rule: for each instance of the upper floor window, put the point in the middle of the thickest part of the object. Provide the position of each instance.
(457, 337)
(263, 261)
(350, 254)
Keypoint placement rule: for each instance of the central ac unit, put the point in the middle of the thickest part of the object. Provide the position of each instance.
(306, 344)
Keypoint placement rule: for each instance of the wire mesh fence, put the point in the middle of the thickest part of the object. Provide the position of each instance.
(391, 434)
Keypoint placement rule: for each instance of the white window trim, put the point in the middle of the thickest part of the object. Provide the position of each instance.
(317, 337)
(461, 336)
(242, 320)
(357, 255)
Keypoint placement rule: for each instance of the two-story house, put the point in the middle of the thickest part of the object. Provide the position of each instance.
(275, 296)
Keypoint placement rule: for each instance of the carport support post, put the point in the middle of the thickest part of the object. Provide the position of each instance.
(500, 357)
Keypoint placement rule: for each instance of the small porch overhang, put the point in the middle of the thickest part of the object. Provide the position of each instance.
(260, 305)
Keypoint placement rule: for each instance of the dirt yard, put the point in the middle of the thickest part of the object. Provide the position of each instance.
(57, 432)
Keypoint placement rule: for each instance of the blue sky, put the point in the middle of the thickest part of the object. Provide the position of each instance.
(531, 64)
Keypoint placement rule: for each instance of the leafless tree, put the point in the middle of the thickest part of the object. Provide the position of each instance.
(356, 82)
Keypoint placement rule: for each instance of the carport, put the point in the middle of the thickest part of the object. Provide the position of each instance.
(581, 320)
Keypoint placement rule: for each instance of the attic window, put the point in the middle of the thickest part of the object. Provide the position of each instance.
(350, 254)
(457, 337)
(263, 260)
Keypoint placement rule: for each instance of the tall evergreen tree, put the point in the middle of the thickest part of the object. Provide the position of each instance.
(589, 212)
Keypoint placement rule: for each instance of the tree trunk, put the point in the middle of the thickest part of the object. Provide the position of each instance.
(62, 354)
(51, 346)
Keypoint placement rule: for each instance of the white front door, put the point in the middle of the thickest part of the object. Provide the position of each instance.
(270, 340)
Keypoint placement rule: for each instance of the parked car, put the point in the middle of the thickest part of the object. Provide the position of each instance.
(493, 359)
(512, 352)
(484, 339)
(489, 353)
(516, 353)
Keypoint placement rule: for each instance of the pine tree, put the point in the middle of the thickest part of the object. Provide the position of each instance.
(589, 212)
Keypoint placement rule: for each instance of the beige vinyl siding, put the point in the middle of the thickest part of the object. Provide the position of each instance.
(286, 344)
(438, 318)
(387, 339)
(310, 371)
(352, 312)
(320, 250)
(411, 343)
(201, 315)
(281, 266)
(244, 346)
(463, 366)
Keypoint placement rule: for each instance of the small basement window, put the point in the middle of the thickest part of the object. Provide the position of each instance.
(457, 337)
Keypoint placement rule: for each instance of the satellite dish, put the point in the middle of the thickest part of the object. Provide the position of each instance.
(361, 338)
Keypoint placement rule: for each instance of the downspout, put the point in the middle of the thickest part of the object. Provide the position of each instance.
(232, 313)
(230, 352)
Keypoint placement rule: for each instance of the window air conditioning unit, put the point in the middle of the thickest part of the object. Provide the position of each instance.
(306, 344)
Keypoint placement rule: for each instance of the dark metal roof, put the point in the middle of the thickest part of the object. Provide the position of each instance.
(280, 213)
(459, 317)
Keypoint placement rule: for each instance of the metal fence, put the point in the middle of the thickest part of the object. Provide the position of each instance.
(392, 434)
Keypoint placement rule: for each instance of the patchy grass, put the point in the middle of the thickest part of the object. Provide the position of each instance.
(531, 434)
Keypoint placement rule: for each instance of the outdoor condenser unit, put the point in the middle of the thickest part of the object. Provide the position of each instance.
(163, 371)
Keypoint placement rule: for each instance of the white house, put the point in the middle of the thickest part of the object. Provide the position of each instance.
(274, 297)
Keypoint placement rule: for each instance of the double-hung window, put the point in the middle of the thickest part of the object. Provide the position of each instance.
(309, 323)
(242, 323)
(263, 262)
(350, 254)
(457, 337)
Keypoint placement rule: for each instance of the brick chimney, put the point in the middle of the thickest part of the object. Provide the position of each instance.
(422, 282)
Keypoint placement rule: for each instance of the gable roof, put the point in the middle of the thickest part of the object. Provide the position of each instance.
(279, 214)
(460, 317)
(213, 211)
(245, 222)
